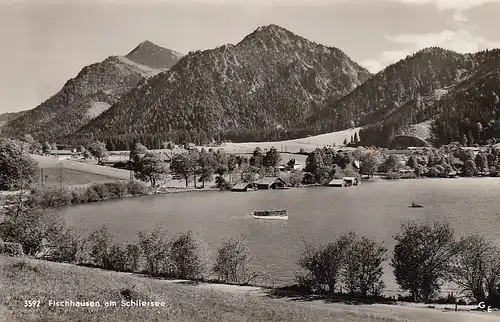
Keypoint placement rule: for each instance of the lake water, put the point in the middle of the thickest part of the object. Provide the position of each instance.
(316, 214)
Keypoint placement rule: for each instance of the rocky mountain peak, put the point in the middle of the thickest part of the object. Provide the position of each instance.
(154, 56)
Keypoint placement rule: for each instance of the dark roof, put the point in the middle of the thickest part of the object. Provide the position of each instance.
(269, 180)
(241, 185)
(61, 152)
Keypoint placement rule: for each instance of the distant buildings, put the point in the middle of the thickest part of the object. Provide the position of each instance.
(62, 154)
(271, 183)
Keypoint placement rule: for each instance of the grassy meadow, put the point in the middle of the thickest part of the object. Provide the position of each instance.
(26, 279)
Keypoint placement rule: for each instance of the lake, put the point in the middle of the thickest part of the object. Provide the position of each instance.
(316, 214)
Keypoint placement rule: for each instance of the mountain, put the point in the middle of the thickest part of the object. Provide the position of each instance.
(92, 91)
(154, 56)
(7, 117)
(470, 112)
(262, 88)
(406, 93)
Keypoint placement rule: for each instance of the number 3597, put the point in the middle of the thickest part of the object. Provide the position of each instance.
(31, 303)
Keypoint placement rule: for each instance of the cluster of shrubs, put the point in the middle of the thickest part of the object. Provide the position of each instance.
(425, 257)
(53, 196)
(42, 234)
(350, 262)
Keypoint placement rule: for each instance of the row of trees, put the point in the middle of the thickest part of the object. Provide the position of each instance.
(426, 256)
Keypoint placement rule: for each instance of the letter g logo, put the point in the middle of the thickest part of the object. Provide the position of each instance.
(481, 305)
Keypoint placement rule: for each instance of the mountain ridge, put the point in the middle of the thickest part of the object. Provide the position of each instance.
(265, 82)
(94, 89)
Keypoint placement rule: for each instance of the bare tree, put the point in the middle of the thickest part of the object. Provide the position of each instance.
(476, 269)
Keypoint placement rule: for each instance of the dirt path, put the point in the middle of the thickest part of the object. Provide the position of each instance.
(404, 312)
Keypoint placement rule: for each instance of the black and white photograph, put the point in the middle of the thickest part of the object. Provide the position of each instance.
(249, 160)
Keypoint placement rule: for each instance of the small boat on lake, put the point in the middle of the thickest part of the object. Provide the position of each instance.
(270, 214)
(416, 205)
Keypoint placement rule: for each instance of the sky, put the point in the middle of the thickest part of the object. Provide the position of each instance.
(47, 42)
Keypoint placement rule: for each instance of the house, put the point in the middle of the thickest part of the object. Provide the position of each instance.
(351, 181)
(271, 183)
(293, 164)
(244, 186)
(282, 168)
(62, 154)
(337, 183)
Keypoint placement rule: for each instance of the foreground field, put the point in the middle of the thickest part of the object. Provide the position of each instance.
(43, 281)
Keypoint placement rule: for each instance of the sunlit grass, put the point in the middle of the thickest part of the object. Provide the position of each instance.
(44, 281)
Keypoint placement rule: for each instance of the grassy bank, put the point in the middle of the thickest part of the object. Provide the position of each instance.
(44, 281)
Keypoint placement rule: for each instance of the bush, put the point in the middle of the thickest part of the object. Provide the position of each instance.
(124, 258)
(295, 178)
(137, 188)
(323, 266)
(116, 189)
(11, 249)
(31, 227)
(49, 197)
(232, 263)
(185, 257)
(422, 258)
(67, 247)
(222, 184)
(155, 248)
(91, 195)
(100, 244)
(79, 196)
(101, 189)
(354, 262)
(392, 176)
(362, 270)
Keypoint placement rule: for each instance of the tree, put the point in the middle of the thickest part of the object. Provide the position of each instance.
(296, 177)
(54, 146)
(323, 265)
(476, 270)
(469, 168)
(18, 171)
(272, 158)
(30, 226)
(363, 266)
(46, 148)
(206, 164)
(470, 138)
(464, 141)
(138, 150)
(412, 162)
(150, 167)
(256, 158)
(232, 263)
(392, 163)
(345, 141)
(422, 258)
(182, 167)
(369, 165)
(356, 139)
(86, 155)
(481, 162)
(98, 150)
